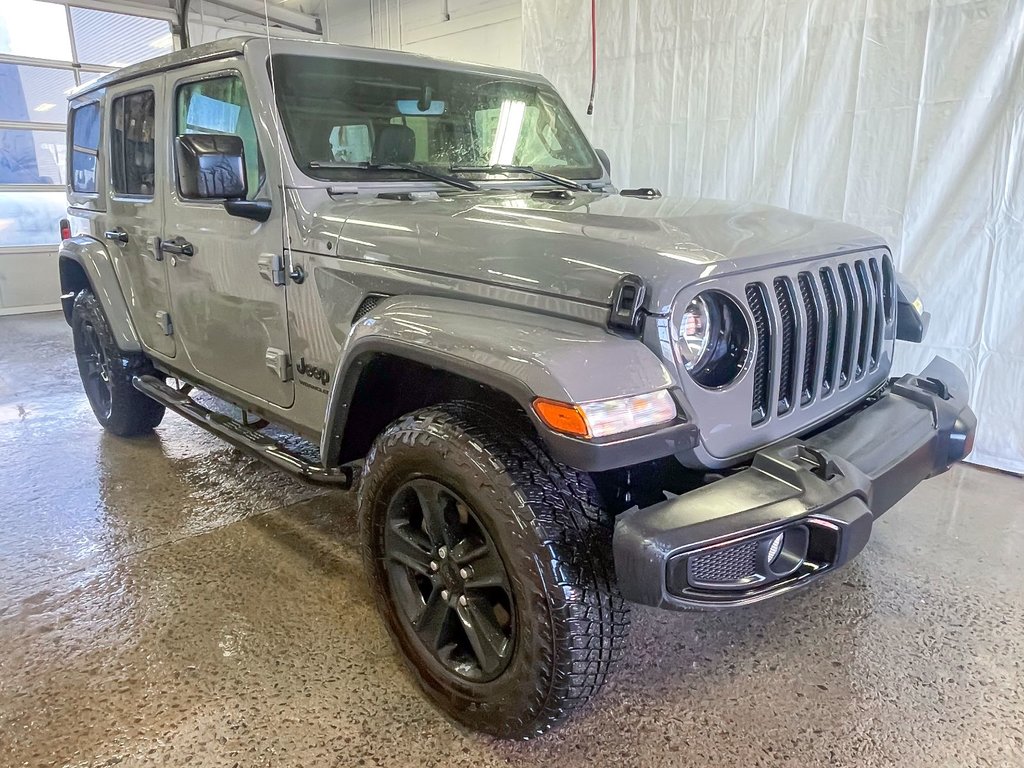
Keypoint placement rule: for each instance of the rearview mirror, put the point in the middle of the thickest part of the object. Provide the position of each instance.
(419, 107)
(605, 160)
(211, 166)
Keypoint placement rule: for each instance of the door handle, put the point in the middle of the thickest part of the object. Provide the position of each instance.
(178, 247)
(117, 235)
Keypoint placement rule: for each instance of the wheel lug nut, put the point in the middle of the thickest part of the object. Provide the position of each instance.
(463, 600)
(442, 552)
(445, 594)
(433, 566)
(463, 573)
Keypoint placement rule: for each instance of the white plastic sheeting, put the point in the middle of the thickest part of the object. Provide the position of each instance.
(902, 116)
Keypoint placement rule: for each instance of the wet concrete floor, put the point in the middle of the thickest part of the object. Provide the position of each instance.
(168, 601)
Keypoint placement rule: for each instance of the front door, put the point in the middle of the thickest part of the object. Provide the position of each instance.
(134, 216)
(229, 316)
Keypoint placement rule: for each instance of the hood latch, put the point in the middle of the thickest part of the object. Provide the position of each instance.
(627, 304)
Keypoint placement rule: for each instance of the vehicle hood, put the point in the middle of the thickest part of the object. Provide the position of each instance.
(578, 248)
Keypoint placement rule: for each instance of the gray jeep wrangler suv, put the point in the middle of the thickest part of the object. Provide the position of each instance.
(557, 397)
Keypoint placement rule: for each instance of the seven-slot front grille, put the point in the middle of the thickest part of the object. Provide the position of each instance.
(817, 331)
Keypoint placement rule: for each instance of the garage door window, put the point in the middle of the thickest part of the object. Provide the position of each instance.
(31, 157)
(34, 94)
(47, 49)
(132, 150)
(137, 37)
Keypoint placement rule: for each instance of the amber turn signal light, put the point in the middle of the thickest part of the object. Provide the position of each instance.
(561, 417)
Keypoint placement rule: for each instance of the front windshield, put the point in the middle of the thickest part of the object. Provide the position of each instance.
(339, 112)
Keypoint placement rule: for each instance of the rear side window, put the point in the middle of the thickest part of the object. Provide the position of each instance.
(220, 106)
(85, 143)
(132, 146)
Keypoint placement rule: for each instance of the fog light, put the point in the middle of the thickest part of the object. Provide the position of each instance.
(753, 566)
(752, 562)
(787, 551)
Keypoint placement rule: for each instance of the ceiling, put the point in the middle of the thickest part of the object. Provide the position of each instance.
(298, 14)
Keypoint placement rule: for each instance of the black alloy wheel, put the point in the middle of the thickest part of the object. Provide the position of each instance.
(449, 581)
(94, 367)
(107, 372)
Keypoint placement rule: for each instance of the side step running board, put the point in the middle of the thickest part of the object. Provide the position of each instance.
(241, 436)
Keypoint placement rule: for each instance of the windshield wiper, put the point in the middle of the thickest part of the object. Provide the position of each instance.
(560, 180)
(421, 170)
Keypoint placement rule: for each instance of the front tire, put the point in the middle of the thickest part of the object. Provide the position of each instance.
(491, 566)
(107, 372)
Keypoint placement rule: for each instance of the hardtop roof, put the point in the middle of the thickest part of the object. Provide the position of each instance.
(235, 46)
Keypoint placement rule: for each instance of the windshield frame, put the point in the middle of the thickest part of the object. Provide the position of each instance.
(593, 175)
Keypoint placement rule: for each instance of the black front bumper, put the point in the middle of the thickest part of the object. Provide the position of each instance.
(810, 500)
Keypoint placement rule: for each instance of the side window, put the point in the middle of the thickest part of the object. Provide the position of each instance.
(85, 144)
(351, 143)
(132, 155)
(219, 106)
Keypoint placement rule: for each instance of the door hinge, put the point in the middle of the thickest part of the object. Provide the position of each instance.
(279, 363)
(153, 248)
(271, 268)
(163, 319)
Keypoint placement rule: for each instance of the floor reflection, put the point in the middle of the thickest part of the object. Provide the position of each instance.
(169, 598)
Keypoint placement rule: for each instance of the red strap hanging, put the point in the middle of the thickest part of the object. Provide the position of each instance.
(593, 55)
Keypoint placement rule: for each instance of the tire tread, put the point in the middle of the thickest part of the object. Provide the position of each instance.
(572, 527)
(132, 412)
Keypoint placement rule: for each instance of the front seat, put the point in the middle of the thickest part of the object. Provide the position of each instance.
(395, 144)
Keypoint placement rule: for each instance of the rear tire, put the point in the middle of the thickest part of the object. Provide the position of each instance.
(107, 372)
(532, 633)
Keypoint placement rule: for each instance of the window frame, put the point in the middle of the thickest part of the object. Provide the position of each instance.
(116, 194)
(73, 147)
(184, 82)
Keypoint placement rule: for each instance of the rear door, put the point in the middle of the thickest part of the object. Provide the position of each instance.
(135, 203)
(230, 317)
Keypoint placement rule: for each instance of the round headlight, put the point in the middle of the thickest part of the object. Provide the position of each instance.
(711, 338)
(694, 333)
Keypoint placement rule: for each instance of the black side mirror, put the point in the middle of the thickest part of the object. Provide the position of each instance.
(257, 210)
(211, 167)
(605, 160)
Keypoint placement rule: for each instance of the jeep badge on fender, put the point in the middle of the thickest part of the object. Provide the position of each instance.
(313, 372)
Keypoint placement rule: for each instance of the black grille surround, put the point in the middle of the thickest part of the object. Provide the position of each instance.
(788, 329)
(830, 290)
(758, 305)
(810, 301)
(801, 364)
(844, 305)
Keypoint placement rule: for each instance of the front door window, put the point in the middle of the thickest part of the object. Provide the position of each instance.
(220, 106)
